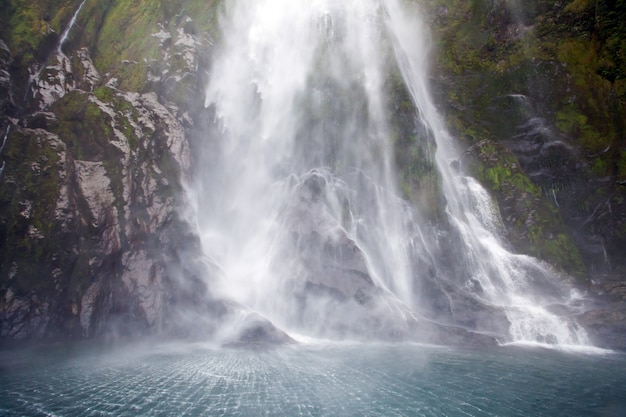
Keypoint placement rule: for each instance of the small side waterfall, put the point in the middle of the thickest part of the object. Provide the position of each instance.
(4, 142)
(50, 81)
(69, 27)
(524, 286)
(5, 137)
(297, 197)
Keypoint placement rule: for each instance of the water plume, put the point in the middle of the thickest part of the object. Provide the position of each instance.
(297, 198)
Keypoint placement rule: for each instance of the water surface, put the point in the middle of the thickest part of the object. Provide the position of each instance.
(312, 380)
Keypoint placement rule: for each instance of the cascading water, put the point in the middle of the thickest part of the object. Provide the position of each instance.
(67, 30)
(49, 82)
(297, 198)
(4, 142)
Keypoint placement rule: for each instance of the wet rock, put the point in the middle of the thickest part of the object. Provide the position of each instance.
(332, 291)
(88, 304)
(7, 103)
(91, 183)
(144, 279)
(533, 225)
(253, 330)
(107, 206)
(606, 327)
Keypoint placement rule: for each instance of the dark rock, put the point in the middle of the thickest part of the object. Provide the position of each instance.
(41, 120)
(7, 102)
(254, 330)
(606, 327)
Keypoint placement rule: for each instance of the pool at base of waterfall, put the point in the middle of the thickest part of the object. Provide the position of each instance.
(313, 379)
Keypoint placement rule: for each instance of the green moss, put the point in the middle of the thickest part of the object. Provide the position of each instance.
(28, 195)
(125, 41)
(84, 127)
(535, 225)
(502, 172)
(31, 27)
(104, 94)
(88, 131)
(559, 248)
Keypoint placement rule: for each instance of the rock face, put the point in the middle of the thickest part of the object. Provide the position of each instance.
(536, 89)
(92, 228)
(331, 292)
(553, 107)
(332, 289)
(532, 224)
(95, 149)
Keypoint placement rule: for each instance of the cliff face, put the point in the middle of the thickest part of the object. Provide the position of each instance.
(98, 126)
(536, 92)
(95, 155)
(546, 81)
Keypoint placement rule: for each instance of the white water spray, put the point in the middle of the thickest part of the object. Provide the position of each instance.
(506, 279)
(297, 198)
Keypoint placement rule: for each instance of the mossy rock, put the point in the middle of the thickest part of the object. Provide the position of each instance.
(32, 29)
(84, 127)
(29, 192)
(414, 151)
(125, 45)
(556, 54)
(499, 69)
(534, 225)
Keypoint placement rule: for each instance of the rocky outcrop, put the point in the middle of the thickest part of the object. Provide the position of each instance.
(532, 224)
(7, 104)
(331, 292)
(551, 101)
(606, 320)
(93, 238)
(536, 90)
(93, 208)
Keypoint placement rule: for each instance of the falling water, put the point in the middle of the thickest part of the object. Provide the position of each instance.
(69, 27)
(5, 137)
(297, 195)
(4, 142)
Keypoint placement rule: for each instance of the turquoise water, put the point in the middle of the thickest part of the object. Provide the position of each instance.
(311, 380)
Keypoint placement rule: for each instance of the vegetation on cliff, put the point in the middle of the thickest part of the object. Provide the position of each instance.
(92, 169)
(546, 80)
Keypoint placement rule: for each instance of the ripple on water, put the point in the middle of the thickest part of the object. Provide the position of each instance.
(336, 379)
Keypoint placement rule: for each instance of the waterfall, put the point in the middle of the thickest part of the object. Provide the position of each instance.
(297, 195)
(4, 138)
(69, 27)
(52, 85)
(4, 142)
